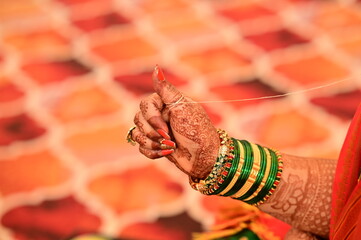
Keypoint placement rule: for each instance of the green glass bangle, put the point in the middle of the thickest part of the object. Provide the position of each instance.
(275, 158)
(270, 181)
(250, 156)
(232, 169)
(278, 171)
(246, 170)
(259, 176)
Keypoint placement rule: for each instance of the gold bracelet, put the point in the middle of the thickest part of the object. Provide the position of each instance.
(267, 172)
(277, 181)
(254, 172)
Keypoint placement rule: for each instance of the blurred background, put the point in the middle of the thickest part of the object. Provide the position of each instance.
(72, 74)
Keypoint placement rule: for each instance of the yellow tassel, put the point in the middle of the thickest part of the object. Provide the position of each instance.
(263, 232)
(231, 221)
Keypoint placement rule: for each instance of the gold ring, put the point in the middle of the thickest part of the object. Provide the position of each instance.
(129, 136)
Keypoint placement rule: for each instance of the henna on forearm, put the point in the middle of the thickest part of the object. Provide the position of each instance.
(303, 197)
(295, 234)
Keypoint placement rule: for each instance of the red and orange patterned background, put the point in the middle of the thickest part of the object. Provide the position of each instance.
(72, 73)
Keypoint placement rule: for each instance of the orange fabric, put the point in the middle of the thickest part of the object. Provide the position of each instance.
(346, 194)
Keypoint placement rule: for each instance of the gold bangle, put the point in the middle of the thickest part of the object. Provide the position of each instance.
(267, 172)
(254, 172)
(278, 178)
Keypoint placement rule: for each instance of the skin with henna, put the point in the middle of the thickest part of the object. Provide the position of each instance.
(303, 196)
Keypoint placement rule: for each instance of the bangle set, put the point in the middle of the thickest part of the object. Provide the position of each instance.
(243, 171)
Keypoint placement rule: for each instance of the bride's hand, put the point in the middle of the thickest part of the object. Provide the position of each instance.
(171, 125)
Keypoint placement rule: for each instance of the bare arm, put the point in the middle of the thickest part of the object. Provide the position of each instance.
(303, 197)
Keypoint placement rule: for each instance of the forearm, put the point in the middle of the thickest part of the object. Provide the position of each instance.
(296, 234)
(303, 196)
(293, 189)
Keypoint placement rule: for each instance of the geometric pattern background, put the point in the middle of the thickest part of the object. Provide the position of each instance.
(72, 74)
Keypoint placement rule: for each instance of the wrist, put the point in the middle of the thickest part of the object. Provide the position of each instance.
(243, 171)
(207, 158)
(204, 170)
(207, 169)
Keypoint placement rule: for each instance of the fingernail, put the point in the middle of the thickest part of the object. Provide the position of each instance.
(168, 143)
(159, 73)
(164, 134)
(166, 152)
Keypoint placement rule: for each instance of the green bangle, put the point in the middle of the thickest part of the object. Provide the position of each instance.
(249, 156)
(246, 169)
(259, 178)
(270, 181)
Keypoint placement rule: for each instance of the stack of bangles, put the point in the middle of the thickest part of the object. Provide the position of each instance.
(243, 170)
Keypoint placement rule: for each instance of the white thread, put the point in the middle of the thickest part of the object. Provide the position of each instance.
(172, 105)
(271, 96)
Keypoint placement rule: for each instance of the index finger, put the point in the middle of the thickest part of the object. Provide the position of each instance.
(151, 109)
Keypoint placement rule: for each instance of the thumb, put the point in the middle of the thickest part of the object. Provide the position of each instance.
(165, 89)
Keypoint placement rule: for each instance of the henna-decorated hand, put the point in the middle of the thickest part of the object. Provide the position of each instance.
(159, 122)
